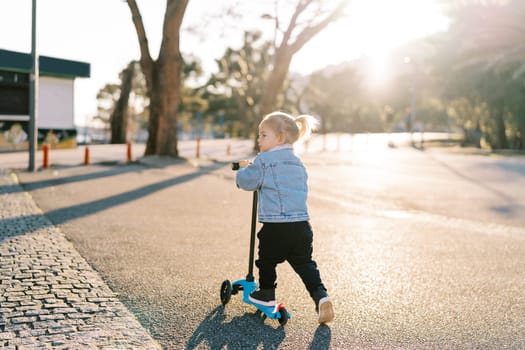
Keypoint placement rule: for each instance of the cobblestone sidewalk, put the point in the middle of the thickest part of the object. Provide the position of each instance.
(49, 296)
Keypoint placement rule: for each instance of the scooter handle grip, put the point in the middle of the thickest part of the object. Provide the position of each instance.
(235, 166)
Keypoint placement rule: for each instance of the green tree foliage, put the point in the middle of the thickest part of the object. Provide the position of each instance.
(131, 100)
(237, 86)
(339, 98)
(107, 98)
(492, 33)
(347, 101)
(471, 76)
(487, 70)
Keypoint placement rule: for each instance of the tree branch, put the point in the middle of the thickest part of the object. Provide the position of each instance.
(311, 31)
(146, 61)
(173, 17)
(301, 6)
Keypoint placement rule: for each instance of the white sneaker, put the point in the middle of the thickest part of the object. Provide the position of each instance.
(326, 310)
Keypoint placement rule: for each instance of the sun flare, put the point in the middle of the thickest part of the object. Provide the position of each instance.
(372, 29)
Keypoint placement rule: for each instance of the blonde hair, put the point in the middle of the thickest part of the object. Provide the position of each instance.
(293, 128)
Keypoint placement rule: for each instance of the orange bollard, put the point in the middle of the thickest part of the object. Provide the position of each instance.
(228, 149)
(198, 152)
(45, 149)
(128, 154)
(86, 155)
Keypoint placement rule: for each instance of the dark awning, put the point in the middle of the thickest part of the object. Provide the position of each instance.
(49, 66)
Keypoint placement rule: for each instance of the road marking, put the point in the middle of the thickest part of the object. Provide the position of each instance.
(394, 214)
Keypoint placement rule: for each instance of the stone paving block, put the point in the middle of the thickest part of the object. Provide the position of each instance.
(49, 296)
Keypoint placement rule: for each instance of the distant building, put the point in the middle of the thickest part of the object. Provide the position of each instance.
(55, 121)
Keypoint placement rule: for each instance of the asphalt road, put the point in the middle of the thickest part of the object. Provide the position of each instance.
(419, 250)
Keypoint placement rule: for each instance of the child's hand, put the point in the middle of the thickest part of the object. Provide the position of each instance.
(244, 163)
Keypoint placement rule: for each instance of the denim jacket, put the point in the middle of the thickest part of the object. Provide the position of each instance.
(280, 179)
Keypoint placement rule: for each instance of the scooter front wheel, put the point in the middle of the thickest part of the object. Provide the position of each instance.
(226, 292)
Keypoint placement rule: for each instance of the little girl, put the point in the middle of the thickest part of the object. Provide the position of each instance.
(280, 178)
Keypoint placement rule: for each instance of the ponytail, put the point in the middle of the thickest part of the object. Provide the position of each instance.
(307, 124)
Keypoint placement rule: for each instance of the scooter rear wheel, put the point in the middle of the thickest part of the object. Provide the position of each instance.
(284, 316)
(226, 292)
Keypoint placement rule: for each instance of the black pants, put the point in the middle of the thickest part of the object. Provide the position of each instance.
(292, 242)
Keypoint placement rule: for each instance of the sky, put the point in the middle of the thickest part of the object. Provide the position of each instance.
(101, 32)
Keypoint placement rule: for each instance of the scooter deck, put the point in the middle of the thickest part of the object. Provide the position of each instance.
(248, 287)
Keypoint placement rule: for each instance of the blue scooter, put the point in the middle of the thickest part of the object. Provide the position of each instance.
(248, 285)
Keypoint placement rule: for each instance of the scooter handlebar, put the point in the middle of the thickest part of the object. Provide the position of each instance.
(235, 166)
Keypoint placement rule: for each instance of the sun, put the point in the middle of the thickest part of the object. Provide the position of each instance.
(372, 28)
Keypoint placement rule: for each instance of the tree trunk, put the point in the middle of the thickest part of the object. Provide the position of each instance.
(154, 113)
(501, 136)
(522, 138)
(519, 142)
(169, 81)
(275, 82)
(163, 78)
(120, 115)
(273, 87)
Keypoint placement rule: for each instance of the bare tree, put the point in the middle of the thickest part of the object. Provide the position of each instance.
(308, 19)
(163, 78)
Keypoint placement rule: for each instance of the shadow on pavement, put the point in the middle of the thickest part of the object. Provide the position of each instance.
(247, 332)
(242, 332)
(511, 204)
(28, 223)
(35, 185)
(114, 169)
(322, 338)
